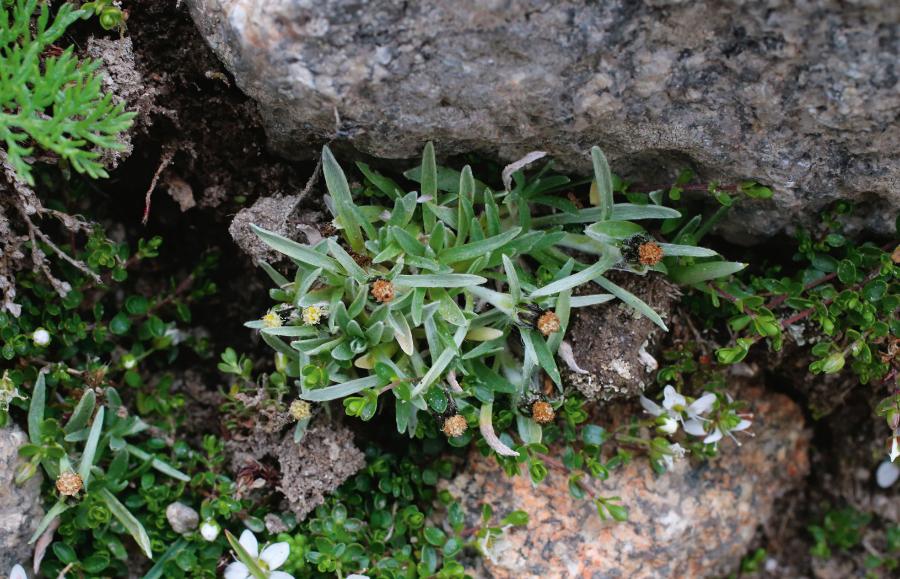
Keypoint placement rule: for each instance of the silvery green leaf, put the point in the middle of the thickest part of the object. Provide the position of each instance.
(276, 277)
(608, 231)
(404, 209)
(620, 212)
(501, 301)
(344, 258)
(36, 408)
(435, 371)
(316, 346)
(410, 244)
(290, 331)
(90, 449)
(128, 521)
(529, 431)
(632, 300)
(156, 463)
(294, 250)
(512, 278)
(701, 272)
(429, 184)
(630, 211)
(445, 214)
(300, 430)
(384, 184)
(439, 280)
(388, 253)
(56, 510)
(340, 390)
(686, 250)
(449, 310)
(339, 190)
(402, 332)
(543, 354)
(577, 279)
(603, 178)
(475, 249)
(82, 412)
(418, 304)
(447, 179)
(563, 310)
(590, 300)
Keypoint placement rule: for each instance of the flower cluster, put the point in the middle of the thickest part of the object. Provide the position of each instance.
(703, 417)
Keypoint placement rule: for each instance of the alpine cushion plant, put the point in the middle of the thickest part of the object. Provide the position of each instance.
(453, 300)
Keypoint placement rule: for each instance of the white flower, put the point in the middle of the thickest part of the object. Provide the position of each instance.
(895, 448)
(676, 407)
(41, 337)
(887, 474)
(676, 452)
(271, 558)
(17, 573)
(209, 530)
(717, 433)
(668, 425)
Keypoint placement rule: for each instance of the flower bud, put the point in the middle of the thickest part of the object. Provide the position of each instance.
(210, 529)
(129, 361)
(666, 425)
(300, 410)
(41, 338)
(548, 323)
(383, 291)
(542, 412)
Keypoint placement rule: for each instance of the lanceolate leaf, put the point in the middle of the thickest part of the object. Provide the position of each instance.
(576, 279)
(632, 300)
(686, 250)
(128, 521)
(36, 409)
(340, 390)
(478, 248)
(337, 185)
(701, 272)
(82, 412)
(442, 280)
(292, 249)
(90, 449)
(56, 510)
(603, 178)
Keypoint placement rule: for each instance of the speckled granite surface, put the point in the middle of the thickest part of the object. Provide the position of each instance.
(800, 95)
(695, 521)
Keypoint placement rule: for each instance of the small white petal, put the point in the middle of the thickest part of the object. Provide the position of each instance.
(742, 425)
(249, 543)
(701, 405)
(209, 530)
(671, 398)
(237, 570)
(356, 576)
(887, 474)
(651, 406)
(282, 575)
(275, 555)
(715, 436)
(17, 573)
(895, 451)
(694, 427)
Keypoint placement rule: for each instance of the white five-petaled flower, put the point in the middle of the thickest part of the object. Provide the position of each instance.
(271, 558)
(676, 452)
(676, 407)
(17, 572)
(717, 433)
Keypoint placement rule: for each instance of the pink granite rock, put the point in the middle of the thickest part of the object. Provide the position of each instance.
(697, 520)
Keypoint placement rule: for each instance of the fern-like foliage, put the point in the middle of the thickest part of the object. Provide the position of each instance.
(53, 101)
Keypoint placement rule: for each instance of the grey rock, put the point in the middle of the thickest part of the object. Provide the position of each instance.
(801, 96)
(182, 518)
(21, 508)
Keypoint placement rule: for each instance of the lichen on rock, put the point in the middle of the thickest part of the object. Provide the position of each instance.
(21, 507)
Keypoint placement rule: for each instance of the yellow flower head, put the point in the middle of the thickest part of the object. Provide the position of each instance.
(312, 315)
(300, 410)
(272, 320)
